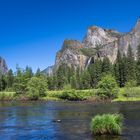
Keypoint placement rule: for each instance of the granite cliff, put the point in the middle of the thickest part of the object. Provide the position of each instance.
(104, 42)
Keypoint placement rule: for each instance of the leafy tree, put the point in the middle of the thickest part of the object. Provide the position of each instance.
(107, 87)
(19, 84)
(21, 80)
(37, 87)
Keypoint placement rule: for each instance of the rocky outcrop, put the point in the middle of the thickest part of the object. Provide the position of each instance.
(97, 36)
(71, 55)
(106, 42)
(3, 66)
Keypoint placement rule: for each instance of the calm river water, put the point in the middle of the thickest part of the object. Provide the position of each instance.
(36, 120)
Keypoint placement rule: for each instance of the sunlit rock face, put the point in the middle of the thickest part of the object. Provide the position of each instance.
(71, 55)
(97, 36)
(132, 38)
(108, 40)
(111, 41)
(3, 66)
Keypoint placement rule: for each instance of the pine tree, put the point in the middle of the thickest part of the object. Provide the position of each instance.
(3, 83)
(78, 78)
(130, 65)
(38, 73)
(10, 79)
(106, 66)
(73, 82)
(85, 80)
(120, 69)
(138, 65)
(61, 79)
(95, 71)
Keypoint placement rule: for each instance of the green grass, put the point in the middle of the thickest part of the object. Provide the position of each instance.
(128, 94)
(125, 94)
(71, 95)
(107, 124)
(7, 95)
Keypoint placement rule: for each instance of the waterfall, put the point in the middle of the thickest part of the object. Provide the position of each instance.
(88, 62)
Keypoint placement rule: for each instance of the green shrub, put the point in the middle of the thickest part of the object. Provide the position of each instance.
(36, 88)
(70, 95)
(75, 95)
(110, 124)
(107, 87)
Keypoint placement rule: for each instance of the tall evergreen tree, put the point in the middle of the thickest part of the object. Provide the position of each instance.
(138, 65)
(119, 69)
(95, 71)
(61, 79)
(106, 66)
(85, 80)
(130, 65)
(73, 82)
(10, 79)
(38, 73)
(78, 78)
(3, 83)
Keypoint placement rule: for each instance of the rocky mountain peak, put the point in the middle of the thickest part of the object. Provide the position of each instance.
(70, 54)
(137, 26)
(104, 43)
(98, 36)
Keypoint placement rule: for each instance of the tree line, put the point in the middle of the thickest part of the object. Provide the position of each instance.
(126, 69)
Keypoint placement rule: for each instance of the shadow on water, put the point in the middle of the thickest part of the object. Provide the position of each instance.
(39, 120)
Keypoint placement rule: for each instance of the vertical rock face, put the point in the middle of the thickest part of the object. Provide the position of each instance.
(71, 55)
(3, 66)
(97, 36)
(108, 42)
(132, 38)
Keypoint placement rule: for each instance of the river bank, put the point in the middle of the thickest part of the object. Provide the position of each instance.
(124, 94)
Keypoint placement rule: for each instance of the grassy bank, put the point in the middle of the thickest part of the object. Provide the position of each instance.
(128, 94)
(7, 96)
(125, 94)
(72, 95)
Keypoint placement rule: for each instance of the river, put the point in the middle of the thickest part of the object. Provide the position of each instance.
(38, 120)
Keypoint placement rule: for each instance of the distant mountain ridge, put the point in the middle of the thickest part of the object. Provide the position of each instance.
(110, 41)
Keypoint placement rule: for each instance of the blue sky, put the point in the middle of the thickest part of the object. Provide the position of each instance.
(32, 31)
